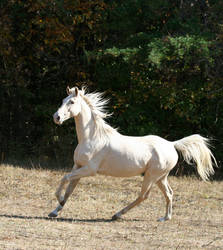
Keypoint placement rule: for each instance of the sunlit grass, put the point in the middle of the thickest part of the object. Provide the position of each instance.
(27, 196)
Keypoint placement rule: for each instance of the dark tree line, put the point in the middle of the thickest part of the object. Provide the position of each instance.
(160, 62)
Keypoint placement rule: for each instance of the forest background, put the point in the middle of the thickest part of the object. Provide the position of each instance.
(160, 63)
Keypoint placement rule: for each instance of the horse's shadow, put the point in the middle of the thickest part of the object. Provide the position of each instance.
(61, 219)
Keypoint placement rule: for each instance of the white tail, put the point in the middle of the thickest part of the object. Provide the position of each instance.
(195, 148)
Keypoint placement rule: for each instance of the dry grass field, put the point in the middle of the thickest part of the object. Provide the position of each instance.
(27, 196)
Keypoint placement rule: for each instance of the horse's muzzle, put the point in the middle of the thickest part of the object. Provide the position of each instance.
(57, 119)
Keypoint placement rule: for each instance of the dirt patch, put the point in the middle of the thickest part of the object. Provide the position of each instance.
(27, 196)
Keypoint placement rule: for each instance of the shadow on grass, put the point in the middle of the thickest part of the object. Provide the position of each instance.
(61, 219)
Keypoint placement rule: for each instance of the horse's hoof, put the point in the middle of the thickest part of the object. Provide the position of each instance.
(116, 217)
(52, 215)
(163, 219)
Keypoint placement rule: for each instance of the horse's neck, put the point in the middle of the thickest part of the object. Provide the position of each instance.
(84, 123)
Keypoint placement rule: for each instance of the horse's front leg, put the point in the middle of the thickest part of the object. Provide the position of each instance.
(63, 181)
(68, 192)
(73, 178)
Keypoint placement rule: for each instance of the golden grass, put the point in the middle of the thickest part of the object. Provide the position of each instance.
(27, 196)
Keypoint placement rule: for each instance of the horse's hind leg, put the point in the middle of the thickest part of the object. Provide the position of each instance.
(146, 187)
(69, 190)
(168, 193)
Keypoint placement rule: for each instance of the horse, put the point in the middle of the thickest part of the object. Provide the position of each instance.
(103, 150)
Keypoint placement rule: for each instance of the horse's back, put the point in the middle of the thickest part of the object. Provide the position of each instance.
(130, 156)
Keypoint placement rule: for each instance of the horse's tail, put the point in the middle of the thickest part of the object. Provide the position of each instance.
(195, 148)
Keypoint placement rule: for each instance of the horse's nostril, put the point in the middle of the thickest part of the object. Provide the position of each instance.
(58, 118)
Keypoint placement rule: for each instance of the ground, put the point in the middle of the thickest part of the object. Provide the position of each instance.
(27, 196)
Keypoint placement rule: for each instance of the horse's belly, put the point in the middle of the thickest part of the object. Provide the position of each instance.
(122, 167)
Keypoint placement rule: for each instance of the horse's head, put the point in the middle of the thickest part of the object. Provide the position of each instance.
(70, 107)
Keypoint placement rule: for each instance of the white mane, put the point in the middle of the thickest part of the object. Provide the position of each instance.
(97, 103)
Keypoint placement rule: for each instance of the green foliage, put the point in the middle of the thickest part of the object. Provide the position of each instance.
(174, 71)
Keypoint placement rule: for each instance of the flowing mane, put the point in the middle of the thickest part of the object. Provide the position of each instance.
(97, 103)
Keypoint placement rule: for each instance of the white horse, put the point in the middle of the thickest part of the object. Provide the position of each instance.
(103, 150)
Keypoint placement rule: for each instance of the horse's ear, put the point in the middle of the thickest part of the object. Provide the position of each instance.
(68, 90)
(76, 91)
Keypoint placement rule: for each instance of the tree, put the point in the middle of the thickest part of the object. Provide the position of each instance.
(158, 61)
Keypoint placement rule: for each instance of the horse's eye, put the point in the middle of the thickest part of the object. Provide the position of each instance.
(71, 102)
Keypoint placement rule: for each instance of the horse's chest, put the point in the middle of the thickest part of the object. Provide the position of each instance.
(85, 153)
